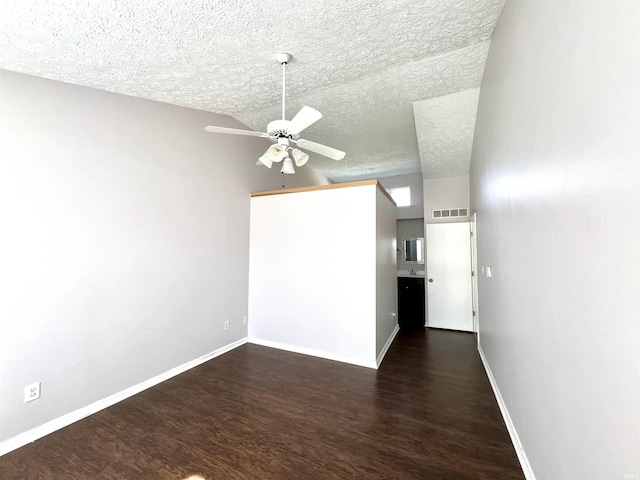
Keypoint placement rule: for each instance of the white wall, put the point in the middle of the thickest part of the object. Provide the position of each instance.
(555, 183)
(447, 192)
(301, 297)
(124, 246)
(386, 280)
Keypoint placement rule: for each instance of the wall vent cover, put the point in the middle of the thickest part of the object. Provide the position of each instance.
(450, 213)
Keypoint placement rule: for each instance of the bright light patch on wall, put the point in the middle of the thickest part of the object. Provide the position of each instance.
(401, 195)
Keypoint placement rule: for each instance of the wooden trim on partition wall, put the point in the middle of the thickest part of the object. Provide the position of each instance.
(358, 183)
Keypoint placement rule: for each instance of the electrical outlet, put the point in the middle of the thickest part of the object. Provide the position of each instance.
(245, 319)
(226, 325)
(32, 392)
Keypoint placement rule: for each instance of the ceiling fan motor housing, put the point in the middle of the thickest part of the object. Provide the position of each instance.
(280, 129)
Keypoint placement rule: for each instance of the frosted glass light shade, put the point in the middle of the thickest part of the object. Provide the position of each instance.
(264, 160)
(287, 167)
(300, 157)
(276, 152)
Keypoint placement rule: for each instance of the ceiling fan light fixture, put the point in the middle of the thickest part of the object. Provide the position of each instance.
(287, 167)
(284, 132)
(299, 157)
(275, 153)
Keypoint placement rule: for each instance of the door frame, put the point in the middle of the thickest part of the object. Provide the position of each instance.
(474, 275)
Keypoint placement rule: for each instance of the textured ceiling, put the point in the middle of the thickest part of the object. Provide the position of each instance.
(445, 127)
(363, 64)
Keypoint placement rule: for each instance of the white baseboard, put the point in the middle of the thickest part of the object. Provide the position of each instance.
(60, 422)
(515, 439)
(384, 350)
(314, 353)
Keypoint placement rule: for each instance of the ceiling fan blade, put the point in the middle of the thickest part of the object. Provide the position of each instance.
(305, 117)
(321, 149)
(235, 131)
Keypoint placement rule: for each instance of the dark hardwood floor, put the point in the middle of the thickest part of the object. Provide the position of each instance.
(260, 413)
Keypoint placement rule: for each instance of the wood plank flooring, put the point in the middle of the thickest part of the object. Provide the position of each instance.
(260, 413)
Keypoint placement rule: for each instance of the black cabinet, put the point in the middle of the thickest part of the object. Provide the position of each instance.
(411, 302)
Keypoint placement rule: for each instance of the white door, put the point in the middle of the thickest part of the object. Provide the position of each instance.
(448, 273)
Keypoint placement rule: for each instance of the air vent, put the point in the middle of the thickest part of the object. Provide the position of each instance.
(450, 213)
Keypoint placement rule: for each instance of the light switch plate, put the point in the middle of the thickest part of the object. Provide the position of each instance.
(32, 392)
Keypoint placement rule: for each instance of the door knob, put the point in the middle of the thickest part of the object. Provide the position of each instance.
(431, 279)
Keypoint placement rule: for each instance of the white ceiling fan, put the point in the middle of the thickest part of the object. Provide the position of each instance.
(284, 132)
